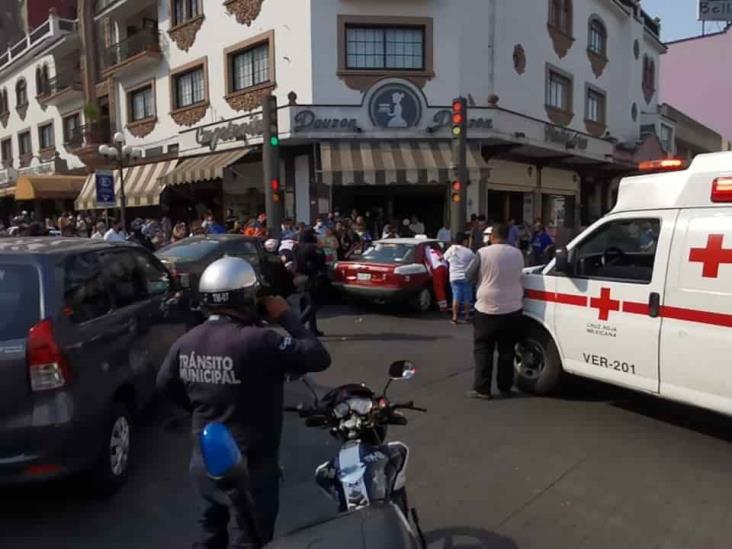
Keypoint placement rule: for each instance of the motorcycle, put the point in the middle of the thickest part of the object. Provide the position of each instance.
(367, 477)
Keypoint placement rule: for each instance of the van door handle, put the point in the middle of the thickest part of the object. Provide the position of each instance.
(654, 305)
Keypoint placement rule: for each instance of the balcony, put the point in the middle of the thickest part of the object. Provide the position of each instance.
(85, 140)
(62, 89)
(50, 30)
(137, 50)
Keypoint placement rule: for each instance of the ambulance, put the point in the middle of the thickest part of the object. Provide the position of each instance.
(643, 297)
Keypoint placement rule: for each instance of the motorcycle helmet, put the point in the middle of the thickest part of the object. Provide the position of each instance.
(229, 283)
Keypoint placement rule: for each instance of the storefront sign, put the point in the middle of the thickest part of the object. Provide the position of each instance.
(241, 131)
(715, 10)
(395, 106)
(567, 138)
(308, 120)
(104, 183)
(443, 119)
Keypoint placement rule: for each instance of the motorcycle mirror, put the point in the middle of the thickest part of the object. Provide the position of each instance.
(402, 369)
(220, 452)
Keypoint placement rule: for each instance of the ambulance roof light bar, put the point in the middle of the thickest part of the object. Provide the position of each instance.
(722, 189)
(663, 165)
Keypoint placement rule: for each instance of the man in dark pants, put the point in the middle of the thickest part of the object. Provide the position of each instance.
(231, 370)
(496, 270)
(310, 263)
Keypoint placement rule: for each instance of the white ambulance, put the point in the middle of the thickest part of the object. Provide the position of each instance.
(643, 297)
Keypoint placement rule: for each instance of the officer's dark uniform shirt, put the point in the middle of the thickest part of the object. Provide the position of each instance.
(228, 372)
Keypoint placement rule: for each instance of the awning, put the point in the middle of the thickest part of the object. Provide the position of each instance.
(400, 162)
(51, 187)
(7, 191)
(202, 168)
(142, 187)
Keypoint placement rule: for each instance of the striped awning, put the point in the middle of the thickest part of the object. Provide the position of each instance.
(142, 186)
(202, 168)
(398, 163)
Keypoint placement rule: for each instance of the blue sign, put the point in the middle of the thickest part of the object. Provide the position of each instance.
(104, 181)
(395, 106)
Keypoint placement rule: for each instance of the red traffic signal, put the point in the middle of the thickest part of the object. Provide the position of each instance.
(275, 184)
(457, 119)
(458, 105)
(456, 186)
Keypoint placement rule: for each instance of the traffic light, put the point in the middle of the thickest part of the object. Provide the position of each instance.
(271, 165)
(458, 209)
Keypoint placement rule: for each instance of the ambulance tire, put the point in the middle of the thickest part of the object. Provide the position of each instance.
(545, 374)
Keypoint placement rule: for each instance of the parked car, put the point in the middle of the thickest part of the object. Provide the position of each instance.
(85, 326)
(389, 271)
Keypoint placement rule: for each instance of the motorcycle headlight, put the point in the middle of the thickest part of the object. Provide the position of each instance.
(361, 406)
(341, 410)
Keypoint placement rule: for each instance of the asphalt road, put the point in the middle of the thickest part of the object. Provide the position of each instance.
(598, 467)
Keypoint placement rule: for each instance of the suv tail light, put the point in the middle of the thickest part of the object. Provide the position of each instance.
(47, 365)
(722, 189)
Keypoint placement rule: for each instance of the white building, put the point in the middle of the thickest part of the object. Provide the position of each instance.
(558, 90)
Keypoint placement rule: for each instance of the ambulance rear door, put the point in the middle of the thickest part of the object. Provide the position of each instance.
(696, 337)
(607, 310)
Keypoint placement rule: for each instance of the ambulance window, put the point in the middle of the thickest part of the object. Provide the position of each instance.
(619, 250)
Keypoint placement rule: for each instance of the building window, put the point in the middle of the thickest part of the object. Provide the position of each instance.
(249, 67)
(190, 88)
(667, 138)
(72, 128)
(649, 78)
(559, 91)
(45, 136)
(560, 15)
(391, 48)
(21, 93)
(6, 153)
(184, 10)
(595, 107)
(597, 42)
(141, 104)
(4, 101)
(24, 143)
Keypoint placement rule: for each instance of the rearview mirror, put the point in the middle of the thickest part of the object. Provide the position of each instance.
(563, 263)
(402, 369)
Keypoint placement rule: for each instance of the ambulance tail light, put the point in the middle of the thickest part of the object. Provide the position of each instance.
(665, 165)
(722, 189)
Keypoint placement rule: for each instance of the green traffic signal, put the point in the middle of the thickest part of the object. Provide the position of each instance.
(274, 141)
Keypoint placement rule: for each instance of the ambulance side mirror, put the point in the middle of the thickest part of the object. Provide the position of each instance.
(564, 262)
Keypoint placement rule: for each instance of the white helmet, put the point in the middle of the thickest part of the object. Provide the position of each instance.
(229, 282)
(271, 245)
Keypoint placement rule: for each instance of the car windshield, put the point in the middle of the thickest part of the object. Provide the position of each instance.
(381, 252)
(189, 251)
(19, 300)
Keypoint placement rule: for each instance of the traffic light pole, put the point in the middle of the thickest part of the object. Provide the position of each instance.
(274, 206)
(458, 192)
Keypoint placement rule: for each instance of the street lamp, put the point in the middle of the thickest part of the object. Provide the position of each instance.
(122, 153)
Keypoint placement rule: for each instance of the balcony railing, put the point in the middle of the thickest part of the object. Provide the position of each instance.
(51, 28)
(88, 135)
(146, 40)
(61, 82)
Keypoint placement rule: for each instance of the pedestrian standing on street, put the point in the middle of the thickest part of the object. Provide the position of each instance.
(459, 257)
(540, 241)
(437, 267)
(231, 370)
(496, 270)
(476, 234)
(310, 264)
(444, 234)
(116, 233)
(513, 233)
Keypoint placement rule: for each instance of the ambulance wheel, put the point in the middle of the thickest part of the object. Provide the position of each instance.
(537, 363)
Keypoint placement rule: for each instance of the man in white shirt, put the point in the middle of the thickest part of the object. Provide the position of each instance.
(497, 271)
(444, 234)
(417, 226)
(115, 234)
(459, 256)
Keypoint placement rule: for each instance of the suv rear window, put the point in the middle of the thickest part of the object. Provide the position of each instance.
(20, 300)
(189, 251)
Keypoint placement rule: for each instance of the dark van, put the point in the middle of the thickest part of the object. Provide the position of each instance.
(84, 328)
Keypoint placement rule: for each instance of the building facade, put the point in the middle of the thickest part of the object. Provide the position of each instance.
(558, 91)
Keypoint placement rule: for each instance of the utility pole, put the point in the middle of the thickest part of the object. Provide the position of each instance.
(274, 205)
(458, 192)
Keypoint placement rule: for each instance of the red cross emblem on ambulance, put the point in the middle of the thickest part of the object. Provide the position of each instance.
(604, 304)
(712, 256)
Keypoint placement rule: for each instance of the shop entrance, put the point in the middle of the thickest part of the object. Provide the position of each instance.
(394, 203)
(505, 205)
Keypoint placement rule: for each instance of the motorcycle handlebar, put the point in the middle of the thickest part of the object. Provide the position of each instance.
(409, 405)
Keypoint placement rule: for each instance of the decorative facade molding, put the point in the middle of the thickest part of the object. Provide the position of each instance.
(4, 117)
(185, 34)
(245, 11)
(595, 128)
(22, 110)
(249, 100)
(25, 159)
(141, 128)
(561, 41)
(558, 116)
(189, 115)
(598, 62)
(47, 155)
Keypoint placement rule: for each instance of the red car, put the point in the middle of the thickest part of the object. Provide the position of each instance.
(389, 271)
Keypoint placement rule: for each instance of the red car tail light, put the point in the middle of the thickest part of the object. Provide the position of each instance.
(48, 367)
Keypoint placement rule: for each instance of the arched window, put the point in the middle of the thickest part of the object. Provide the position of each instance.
(649, 78)
(597, 40)
(42, 80)
(4, 101)
(560, 15)
(21, 93)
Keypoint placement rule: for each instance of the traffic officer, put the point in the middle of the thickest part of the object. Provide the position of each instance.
(231, 370)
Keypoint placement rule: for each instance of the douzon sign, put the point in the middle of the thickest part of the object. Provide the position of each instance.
(242, 131)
